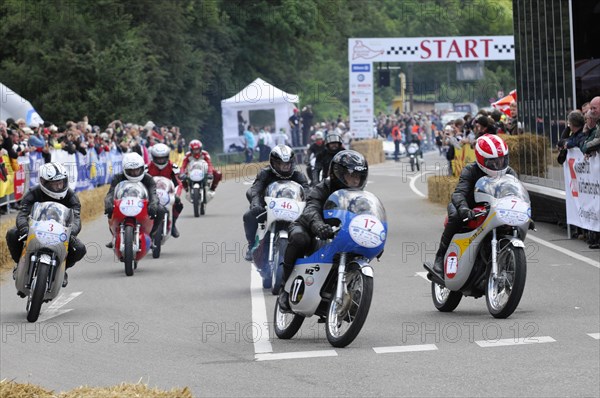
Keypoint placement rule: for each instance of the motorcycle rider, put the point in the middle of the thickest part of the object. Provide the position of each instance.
(282, 166)
(53, 186)
(133, 170)
(333, 145)
(197, 152)
(163, 167)
(315, 149)
(491, 154)
(348, 170)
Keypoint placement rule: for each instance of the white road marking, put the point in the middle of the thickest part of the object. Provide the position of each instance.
(422, 275)
(54, 309)
(260, 329)
(295, 355)
(405, 348)
(518, 341)
(569, 253)
(414, 178)
(594, 335)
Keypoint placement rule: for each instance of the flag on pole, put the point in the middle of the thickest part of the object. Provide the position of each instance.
(503, 104)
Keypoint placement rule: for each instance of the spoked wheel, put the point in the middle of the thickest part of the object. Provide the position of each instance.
(444, 299)
(345, 320)
(276, 267)
(196, 201)
(38, 290)
(286, 325)
(505, 290)
(128, 257)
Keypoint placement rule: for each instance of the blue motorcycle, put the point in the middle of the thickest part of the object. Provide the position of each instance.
(335, 282)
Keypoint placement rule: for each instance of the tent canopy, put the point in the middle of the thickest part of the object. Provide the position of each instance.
(258, 95)
(12, 105)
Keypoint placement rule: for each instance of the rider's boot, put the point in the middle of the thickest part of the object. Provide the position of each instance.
(174, 231)
(438, 264)
(248, 255)
(284, 297)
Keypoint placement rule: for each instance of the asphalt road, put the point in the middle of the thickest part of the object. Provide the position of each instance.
(190, 319)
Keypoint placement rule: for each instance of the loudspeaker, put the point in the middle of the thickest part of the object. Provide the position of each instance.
(384, 78)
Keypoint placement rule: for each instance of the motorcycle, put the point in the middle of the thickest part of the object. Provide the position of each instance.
(41, 269)
(413, 151)
(165, 190)
(285, 203)
(198, 181)
(130, 224)
(488, 256)
(335, 282)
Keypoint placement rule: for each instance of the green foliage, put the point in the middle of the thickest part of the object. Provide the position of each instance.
(174, 61)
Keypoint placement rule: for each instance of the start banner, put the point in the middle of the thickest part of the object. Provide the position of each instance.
(582, 189)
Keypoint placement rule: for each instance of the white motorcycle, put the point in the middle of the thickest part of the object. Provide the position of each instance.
(285, 203)
(413, 152)
(165, 190)
(199, 182)
(41, 269)
(488, 258)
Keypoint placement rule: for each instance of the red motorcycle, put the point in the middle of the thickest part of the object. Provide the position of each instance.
(130, 224)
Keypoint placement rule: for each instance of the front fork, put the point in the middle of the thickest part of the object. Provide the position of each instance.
(136, 238)
(341, 281)
(494, 254)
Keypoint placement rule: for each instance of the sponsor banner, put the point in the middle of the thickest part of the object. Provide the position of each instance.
(35, 161)
(582, 189)
(361, 100)
(431, 49)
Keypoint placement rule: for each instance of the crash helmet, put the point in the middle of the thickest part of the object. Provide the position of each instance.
(54, 180)
(282, 161)
(133, 166)
(333, 142)
(196, 148)
(491, 153)
(348, 169)
(160, 155)
(319, 136)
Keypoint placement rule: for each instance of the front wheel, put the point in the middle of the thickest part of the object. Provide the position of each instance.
(276, 265)
(345, 320)
(412, 164)
(196, 201)
(128, 257)
(286, 325)
(444, 299)
(203, 202)
(504, 292)
(38, 290)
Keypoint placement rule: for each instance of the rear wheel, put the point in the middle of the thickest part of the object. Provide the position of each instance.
(444, 299)
(128, 257)
(277, 264)
(286, 325)
(345, 320)
(504, 292)
(196, 201)
(38, 290)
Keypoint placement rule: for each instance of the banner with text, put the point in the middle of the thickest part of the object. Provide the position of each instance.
(582, 189)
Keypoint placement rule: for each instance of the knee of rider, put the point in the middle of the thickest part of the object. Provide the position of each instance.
(299, 240)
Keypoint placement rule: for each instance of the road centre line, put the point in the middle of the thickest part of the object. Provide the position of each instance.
(594, 335)
(260, 329)
(405, 348)
(295, 355)
(54, 309)
(569, 253)
(518, 341)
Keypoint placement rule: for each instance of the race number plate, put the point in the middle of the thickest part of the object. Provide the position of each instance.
(163, 196)
(50, 232)
(284, 209)
(131, 207)
(196, 175)
(513, 211)
(367, 231)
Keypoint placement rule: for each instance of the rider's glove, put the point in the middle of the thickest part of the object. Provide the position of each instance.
(322, 230)
(152, 211)
(177, 200)
(466, 214)
(23, 231)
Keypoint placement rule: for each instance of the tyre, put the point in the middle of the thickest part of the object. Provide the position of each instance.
(276, 268)
(412, 164)
(345, 321)
(444, 299)
(203, 202)
(38, 290)
(418, 163)
(196, 201)
(286, 325)
(157, 242)
(128, 256)
(504, 292)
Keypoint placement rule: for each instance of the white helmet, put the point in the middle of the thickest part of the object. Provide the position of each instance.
(319, 135)
(282, 161)
(133, 166)
(54, 180)
(160, 155)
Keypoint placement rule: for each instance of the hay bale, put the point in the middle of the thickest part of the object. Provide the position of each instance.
(9, 388)
(440, 188)
(126, 391)
(372, 150)
(530, 154)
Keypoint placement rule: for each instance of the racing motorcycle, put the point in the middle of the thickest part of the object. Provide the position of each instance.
(285, 203)
(413, 151)
(130, 224)
(165, 190)
(41, 269)
(488, 256)
(335, 282)
(198, 181)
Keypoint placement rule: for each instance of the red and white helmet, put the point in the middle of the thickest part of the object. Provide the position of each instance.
(196, 148)
(492, 155)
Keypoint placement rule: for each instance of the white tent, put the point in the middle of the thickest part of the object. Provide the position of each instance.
(258, 95)
(12, 105)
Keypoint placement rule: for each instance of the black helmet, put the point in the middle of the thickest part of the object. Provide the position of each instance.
(282, 161)
(345, 166)
(333, 138)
